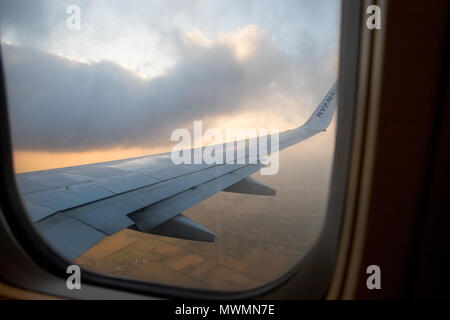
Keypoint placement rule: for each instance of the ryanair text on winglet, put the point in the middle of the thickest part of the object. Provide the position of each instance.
(327, 102)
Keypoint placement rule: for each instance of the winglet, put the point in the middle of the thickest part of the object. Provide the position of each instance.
(323, 114)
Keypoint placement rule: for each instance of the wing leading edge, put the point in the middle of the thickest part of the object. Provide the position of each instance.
(76, 207)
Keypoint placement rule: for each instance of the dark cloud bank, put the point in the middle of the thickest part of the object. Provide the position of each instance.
(57, 104)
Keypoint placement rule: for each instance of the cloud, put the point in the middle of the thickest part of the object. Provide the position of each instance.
(30, 22)
(22, 14)
(59, 104)
(305, 29)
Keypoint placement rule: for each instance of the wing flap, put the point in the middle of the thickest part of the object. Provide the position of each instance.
(160, 212)
(68, 236)
(92, 197)
(75, 231)
(109, 215)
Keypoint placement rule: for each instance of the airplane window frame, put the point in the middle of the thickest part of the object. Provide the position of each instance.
(24, 246)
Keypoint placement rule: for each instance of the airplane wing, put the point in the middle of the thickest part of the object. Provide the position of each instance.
(75, 207)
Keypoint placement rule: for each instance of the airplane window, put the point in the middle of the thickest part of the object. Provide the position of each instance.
(180, 143)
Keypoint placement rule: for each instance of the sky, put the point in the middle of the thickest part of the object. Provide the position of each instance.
(137, 70)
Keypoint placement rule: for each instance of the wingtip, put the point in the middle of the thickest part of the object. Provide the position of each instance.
(323, 114)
